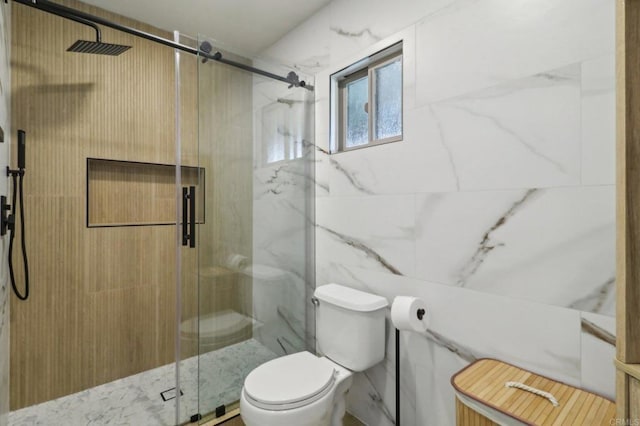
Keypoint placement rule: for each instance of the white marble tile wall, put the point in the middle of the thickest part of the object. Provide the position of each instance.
(598, 352)
(5, 123)
(498, 205)
(465, 325)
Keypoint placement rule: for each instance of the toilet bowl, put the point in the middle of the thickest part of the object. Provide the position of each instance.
(295, 390)
(303, 389)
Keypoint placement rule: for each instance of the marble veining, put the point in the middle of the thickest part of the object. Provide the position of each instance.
(498, 205)
(487, 245)
(529, 146)
(489, 48)
(356, 34)
(443, 139)
(465, 325)
(600, 298)
(287, 178)
(351, 176)
(377, 399)
(538, 147)
(360, 246)
(312, 63)
(556, 247)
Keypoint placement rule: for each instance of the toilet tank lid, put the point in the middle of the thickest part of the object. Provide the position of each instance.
(350, 298)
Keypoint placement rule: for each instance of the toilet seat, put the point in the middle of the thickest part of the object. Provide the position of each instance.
(289, 382)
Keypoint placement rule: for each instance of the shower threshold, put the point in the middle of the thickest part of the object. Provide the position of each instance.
(137, 400)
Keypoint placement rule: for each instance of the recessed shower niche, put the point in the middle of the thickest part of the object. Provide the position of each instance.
(128, 193)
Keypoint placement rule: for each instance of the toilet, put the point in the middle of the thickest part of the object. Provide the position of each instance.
(303, 389)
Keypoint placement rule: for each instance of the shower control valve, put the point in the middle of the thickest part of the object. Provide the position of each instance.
(7, 220)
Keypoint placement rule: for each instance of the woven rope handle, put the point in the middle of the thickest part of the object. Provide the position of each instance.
(552, 399)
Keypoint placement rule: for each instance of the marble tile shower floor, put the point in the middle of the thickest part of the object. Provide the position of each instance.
(136, 400)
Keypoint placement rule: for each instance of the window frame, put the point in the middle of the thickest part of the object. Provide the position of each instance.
(355, 72)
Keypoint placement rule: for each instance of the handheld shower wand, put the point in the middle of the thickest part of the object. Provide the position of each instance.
(17, 178)
(21, 149)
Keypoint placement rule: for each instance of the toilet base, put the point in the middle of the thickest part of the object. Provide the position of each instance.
(340, 402)
(315, 414)
(326, 411)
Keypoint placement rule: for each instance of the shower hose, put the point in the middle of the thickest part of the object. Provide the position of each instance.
(17, 184)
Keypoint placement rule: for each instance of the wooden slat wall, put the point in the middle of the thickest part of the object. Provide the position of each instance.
(102, 302)
(634, 395)
(628, 209)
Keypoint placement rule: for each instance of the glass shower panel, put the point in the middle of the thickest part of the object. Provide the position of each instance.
(253, 270)
(225, 133)
(187, 175)
(282, 269)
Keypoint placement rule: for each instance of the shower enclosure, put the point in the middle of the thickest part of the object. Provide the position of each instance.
(169, 201)
(246, 238)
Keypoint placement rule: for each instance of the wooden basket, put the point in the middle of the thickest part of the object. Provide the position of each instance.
(484, 399)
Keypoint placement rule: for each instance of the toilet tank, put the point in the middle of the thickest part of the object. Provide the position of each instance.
(350, 326)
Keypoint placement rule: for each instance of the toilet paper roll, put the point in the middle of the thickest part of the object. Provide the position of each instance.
(405, 314)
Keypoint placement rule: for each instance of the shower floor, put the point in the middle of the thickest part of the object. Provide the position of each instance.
(136, 400)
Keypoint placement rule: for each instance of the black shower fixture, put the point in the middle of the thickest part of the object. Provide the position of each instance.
(206, 47)
(98, 48)
(82, 46)
(9, 221)
(205, 50)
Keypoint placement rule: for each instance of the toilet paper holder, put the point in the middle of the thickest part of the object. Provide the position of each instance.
(403, 310)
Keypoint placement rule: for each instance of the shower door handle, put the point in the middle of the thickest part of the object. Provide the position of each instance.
(185, 201)
(189, 210)
(192, 216)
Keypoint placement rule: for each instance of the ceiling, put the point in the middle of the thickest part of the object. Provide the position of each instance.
(248, 26)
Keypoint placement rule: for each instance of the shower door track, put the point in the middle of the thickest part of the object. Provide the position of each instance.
(291, 79)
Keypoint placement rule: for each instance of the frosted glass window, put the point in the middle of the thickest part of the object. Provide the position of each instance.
(357, 120)
(368, 101)
(388, 98)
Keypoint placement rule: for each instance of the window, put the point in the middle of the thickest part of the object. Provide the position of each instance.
(368, 101)
(283, 127)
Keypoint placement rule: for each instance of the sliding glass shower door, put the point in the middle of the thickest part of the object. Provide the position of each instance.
(245, 203)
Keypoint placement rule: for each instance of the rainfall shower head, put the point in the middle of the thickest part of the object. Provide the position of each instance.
(84, 46)
(98, 48)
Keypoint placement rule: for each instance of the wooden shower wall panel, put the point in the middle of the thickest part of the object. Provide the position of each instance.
(628, 210)
(102, 302)
(628, 176)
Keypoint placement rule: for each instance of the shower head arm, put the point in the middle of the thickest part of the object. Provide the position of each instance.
(54, 9)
